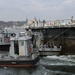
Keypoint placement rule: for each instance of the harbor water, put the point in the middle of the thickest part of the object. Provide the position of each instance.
(49, 65)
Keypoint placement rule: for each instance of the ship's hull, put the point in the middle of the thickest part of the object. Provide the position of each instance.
(19, 63)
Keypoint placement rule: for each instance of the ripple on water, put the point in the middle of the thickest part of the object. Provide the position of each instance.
(46, 66)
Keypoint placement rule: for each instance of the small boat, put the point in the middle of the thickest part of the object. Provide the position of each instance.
(45, 49)
(21, 53)
(4, 42)
(49, 49)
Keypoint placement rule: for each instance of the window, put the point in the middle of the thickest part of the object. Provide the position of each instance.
(21, 43)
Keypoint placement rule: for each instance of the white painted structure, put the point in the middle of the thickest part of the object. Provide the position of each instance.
(20, 46)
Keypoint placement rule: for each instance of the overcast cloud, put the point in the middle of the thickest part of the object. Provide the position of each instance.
(13, 10)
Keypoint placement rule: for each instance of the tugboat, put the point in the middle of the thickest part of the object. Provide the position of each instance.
(21, 53)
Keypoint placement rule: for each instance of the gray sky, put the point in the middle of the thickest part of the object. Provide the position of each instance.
(18, 10)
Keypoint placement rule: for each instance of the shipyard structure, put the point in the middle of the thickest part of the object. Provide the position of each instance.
(60, 32)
